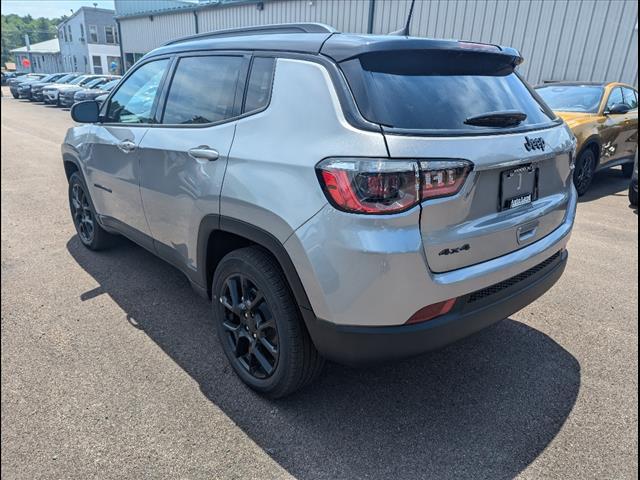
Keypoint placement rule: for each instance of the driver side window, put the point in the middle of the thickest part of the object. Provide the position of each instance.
(133, 102)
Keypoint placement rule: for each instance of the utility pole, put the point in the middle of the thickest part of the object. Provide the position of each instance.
(28, 45)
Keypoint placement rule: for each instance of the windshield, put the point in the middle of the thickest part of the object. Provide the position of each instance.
(434, 96)
(109, 85)
(78, 80)
(572, 98)
(95, 82)
(85, 81)
(67, 78)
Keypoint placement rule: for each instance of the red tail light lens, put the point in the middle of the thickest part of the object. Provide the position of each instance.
(441, 178)
(382, 186)
(370, 185)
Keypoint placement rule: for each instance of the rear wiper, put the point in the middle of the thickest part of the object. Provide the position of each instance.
(506, 118)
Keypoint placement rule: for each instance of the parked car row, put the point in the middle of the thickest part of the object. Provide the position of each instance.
(61, 89)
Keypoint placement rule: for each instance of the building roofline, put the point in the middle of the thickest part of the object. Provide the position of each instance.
(34, 48)
(188, 8)
(83, 8)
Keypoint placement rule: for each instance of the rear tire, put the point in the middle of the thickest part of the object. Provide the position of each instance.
(627, 170)
(584, 172)
(259, 324)
(89, 231)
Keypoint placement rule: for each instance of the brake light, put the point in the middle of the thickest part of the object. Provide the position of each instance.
(442, 178)
(432, 311)
(370, 185)
(383, 186)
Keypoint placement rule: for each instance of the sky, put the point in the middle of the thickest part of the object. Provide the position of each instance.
(49, 8)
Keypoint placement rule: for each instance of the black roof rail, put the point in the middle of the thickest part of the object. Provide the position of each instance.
(259, 30)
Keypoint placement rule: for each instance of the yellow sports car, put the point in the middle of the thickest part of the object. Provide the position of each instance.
(604, 119)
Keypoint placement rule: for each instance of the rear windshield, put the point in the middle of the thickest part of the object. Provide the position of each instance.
(572, 98)
(428, 96)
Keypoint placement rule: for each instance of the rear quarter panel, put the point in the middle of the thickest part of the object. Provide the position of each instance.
(270, 180)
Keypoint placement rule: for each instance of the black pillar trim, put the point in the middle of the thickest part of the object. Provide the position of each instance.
(123, 65)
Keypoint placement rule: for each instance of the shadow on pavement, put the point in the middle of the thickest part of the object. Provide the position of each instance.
(485, 407)
(607, 182)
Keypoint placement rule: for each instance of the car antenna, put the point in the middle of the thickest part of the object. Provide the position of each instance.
(405, 30)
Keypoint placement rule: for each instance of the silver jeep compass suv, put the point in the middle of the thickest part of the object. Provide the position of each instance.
(347, 197)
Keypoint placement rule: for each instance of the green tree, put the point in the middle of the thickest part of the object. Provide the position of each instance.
(14, 28)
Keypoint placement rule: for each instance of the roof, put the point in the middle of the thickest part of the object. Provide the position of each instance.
(81, 9)
(316, 39)
(143, 8)
(48, 46)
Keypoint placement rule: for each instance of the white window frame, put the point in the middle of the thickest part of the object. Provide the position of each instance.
(114, 34)
(93, 29)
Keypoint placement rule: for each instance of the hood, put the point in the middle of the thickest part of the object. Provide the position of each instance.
(97, 90)
(63, 86)
(573, 119)
(57, 85)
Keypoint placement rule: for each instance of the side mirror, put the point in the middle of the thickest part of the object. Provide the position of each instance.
(85, 112)
(618, 109)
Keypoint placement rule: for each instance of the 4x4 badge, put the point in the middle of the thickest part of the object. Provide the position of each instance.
(534, 143)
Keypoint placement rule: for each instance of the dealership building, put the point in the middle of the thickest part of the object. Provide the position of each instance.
(586, 40)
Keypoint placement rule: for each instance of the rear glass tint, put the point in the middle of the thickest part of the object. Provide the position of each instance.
(259, 86)
(428, 96)
(203, 90)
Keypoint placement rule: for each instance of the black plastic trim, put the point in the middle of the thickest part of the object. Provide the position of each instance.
(210, 223)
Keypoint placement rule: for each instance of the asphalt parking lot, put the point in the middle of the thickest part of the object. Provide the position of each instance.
(111, 367)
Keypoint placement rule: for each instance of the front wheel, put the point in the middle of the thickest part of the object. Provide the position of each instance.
(584, 172)
(91, 234)
(15, 95)
(259, 324)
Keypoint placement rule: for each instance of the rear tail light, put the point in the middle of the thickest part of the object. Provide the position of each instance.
(441, 178)
(383, 186)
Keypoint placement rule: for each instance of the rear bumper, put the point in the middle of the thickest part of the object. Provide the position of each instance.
(356, 345)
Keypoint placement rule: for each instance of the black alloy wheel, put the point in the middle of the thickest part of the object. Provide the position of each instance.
(82, 215)
(259, 324)
(585, 170)
(251, 329)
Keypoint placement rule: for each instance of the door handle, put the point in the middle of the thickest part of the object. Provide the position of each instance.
(127, 146)
(204, 152)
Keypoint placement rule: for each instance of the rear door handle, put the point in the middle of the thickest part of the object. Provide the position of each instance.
(204, 153)
(127, 146)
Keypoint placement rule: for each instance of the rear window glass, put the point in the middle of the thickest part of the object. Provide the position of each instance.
(430, 97)
(259, 87)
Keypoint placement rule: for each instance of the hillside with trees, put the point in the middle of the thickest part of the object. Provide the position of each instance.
(14, 27)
